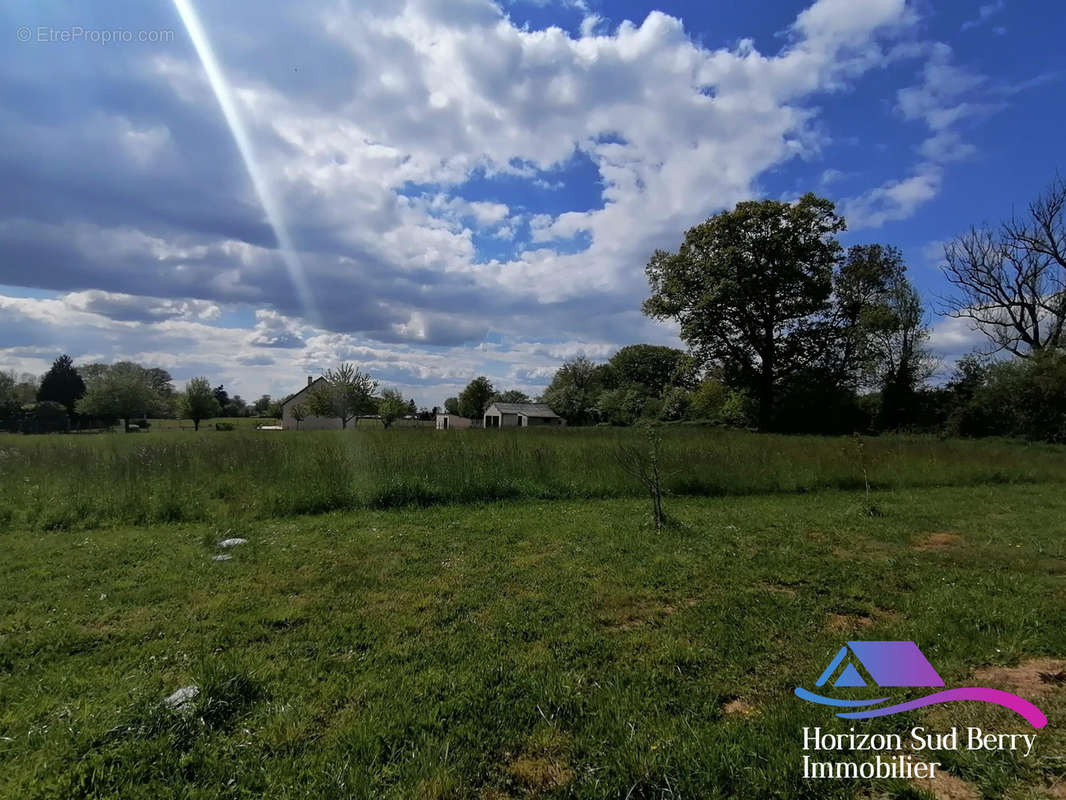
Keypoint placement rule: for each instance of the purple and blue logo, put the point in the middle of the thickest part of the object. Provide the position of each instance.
(901, 664)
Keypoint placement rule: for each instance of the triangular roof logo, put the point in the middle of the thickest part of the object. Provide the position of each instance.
(887, 664)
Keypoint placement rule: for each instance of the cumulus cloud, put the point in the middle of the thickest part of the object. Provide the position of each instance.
(385, 129)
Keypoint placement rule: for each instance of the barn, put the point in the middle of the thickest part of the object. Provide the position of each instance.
(520, 415)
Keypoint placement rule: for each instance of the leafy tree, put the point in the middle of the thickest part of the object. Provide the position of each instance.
(623, 406)
(575, 390)
(675, 404)
(45, 416)
(880, 332)
(9, 405)
(120, 391)
(412, 408)
(221, 396)
(451, 405)
(199, 402)
(475, 398)
(236, 407)
(391, 407)
(345, 393)
(299, 413)
(1024, 398)
(510, 396)
(652, 366)
(1010, 282)
(748, 287)
(262, 405)
(62, 384)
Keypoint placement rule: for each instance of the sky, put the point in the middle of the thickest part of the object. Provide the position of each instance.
(440, 189)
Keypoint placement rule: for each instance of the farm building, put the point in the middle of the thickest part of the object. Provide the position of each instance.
(448, 421)
(520, 415)
(308, 423)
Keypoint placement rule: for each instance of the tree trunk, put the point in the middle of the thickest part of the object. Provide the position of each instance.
(196, 424)
(125, 426)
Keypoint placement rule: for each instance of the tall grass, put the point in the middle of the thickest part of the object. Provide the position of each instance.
(74, 482)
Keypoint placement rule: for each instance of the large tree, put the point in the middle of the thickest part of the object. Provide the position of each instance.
(199, 402)
(120, 391)
(346, 393)
(475, 398)
(654, 367)
(575, 390)
(1010, 282)
(748, 288)
(62, 384)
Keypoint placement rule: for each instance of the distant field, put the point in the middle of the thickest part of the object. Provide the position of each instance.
(251, 423)
(527, 649)
(81, 482)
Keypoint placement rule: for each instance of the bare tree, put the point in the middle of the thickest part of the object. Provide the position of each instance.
(1011, 282)
(644, 464)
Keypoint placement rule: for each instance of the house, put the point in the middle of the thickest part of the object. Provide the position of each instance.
(449, 421)
(520, 415)
(309, 422)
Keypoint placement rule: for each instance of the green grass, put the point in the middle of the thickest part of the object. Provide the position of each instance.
(524, 649)
(85, 482)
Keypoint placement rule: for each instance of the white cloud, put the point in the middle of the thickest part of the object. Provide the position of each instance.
(985, 13)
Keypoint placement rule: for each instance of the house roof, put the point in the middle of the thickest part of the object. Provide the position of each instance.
(526, 409)
(292, 397)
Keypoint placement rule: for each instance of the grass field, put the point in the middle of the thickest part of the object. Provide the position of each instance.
(82, 482)
(549, 645)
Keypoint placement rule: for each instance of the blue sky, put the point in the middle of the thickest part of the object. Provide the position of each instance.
(473, 187)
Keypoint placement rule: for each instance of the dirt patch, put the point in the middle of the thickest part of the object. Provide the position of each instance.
(1036, 676)
(938, 541)
(738, 707)
(945, 786)
(541, 773)
(627, 613)
(847, 622)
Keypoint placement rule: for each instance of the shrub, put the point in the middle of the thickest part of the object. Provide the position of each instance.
(224, 426)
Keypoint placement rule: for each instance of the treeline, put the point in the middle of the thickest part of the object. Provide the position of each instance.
(99, 395)
(789, 332)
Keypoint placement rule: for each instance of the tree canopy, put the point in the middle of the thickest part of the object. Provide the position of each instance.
(345, 393)
(475, 398)
(62, 384)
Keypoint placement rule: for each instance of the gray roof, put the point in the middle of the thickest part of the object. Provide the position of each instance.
(526, 409)
(292, 397)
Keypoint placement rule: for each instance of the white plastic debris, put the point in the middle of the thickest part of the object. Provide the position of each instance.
(232, 542)
(182, 699)
(221, 557)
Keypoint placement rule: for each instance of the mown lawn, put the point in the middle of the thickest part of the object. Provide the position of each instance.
(554, 648)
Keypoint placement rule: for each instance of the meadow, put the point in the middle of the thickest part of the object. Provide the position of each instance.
(491, 615)
(84, 481)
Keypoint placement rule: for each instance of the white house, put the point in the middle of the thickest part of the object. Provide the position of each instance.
(448, 421)
(520, 415)
(309, 422)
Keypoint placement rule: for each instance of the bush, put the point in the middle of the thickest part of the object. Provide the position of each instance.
(143, 424)
(224, 426)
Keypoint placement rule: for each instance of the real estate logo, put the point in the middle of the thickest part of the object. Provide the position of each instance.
(900, 664)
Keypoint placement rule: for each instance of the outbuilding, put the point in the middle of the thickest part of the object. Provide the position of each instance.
(449, 421)
(520, 415)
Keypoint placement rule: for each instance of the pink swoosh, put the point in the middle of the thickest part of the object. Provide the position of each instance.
(1033, 715)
